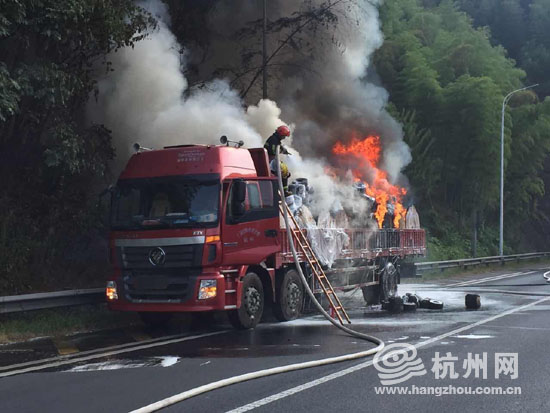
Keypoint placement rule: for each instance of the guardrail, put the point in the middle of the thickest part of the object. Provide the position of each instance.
(423, 267)
(40, 301)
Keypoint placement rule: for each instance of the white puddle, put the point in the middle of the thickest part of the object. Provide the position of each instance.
(165, 361)
(107, 365)
(169, 361)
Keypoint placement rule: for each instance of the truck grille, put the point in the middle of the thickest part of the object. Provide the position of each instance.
(160, 286)
(168, 276)
(176, 256)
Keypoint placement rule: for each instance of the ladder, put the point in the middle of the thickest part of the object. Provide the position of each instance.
(305, 248)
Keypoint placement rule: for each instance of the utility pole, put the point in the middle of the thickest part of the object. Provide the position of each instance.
(264, 54)
(504, 102)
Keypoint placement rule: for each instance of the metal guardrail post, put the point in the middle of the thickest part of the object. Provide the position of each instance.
(39, 301)
(465, 263)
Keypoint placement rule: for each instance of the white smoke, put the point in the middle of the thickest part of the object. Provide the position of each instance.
(144, 99)
(147, 98)
(321, 80)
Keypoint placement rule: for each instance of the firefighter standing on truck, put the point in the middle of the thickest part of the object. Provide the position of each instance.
(271, 146)
(285, 174)
(275, 140)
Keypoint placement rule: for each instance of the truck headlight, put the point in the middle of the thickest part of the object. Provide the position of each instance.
(110, 291)
(207, 289)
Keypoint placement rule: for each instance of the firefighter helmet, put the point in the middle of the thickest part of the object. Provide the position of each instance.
(283, 130)
(284, 169)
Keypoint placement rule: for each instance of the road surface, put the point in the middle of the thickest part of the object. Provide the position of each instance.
(121, 371)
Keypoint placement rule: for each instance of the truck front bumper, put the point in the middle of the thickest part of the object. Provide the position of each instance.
(140, 296)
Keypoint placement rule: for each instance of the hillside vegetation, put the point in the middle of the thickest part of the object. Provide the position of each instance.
(447, 66)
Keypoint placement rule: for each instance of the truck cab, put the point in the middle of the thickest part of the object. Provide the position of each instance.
(186, 223)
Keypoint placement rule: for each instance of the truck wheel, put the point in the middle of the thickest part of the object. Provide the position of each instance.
(472, 301)
(155, 319)
(413, 298)
(431, 304)
(371, 294)
(395, 305)
(388, 282)
(252, 304)
(290, 296)
(409, 307)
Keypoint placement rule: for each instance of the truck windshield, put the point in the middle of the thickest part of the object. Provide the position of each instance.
(167, 202)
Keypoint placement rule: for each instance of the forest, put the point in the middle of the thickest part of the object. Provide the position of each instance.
(446, 65)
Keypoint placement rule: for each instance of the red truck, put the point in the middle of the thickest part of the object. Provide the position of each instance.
(196, 228)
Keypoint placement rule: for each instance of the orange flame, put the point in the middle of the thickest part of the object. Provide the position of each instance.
(365, 154)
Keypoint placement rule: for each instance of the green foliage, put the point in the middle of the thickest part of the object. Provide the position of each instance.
(470, 123)
(530, 148)
(447, 82)
(51, 159)
(523, 28)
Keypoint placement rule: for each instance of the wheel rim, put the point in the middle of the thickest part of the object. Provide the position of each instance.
(252, 301)
(293, 297)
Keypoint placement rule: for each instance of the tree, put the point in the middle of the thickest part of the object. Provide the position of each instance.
(50, 158)
(530, 149)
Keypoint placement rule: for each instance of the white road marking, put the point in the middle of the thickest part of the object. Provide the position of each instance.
(484, 280)
(474, 336)
(486, 290)
(522, 328)
(547, 276)
(105, 354)
(313, 383)
(85, 353)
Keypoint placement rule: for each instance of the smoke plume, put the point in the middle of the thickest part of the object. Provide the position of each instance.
(321, 84)
(146, 99)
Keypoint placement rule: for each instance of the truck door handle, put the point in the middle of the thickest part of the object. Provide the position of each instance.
(272, 233)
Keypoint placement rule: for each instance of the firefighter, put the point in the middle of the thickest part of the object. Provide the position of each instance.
(285, 173)
(275, 140)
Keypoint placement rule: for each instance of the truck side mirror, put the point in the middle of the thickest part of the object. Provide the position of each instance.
(104, 203)
(239, 190)
(238, 197)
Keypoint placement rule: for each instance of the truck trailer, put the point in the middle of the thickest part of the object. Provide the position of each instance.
(197, 228)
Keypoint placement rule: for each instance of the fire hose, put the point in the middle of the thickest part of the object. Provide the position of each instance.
(282, 369)
(372, 339)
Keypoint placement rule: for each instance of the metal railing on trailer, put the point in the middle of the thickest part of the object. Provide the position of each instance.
(370, 244)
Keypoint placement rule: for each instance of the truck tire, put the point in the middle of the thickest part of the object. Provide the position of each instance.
(371, 294)
(408, 306)
(431, 304)
(395, 305)
(289, 293)
(472, 301)
(252, 304)
(152, 319)
(413, 298)
(388, 282)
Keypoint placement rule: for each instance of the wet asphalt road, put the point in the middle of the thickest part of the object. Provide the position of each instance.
(127, 380)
